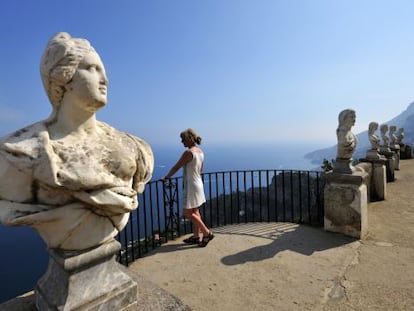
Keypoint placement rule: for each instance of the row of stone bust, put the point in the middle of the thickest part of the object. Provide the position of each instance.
(349, 187)
(394, 137)
(391, 140)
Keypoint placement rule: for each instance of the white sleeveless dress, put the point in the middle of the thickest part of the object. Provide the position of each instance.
(193, 194)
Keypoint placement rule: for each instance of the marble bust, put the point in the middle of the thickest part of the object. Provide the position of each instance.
(347, 141)
(392, 134)
(400, 136)
(71, 177)
(373, 138)
(384, 136)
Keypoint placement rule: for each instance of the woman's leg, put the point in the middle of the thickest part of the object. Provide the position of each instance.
(194, 215)
(196, 228)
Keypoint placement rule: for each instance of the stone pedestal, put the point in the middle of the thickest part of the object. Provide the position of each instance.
(378, 178)
(88, 280)
(390, 164)
(396, 150)
(346, 204)
(405, 152)
(408, 152)
(372, 154)
(343, 166)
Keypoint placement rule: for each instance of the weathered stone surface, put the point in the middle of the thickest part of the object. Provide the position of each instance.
(75, 180)
(71, 177)
(377, 185)
(347, 141)
(373, 155)
(372, 136)
(396, 150)
(150, 297)
(343, 166)
(346, 202)
(357, 178)
(379, 181)
(390, 164)
(89, 280)
(384, 136)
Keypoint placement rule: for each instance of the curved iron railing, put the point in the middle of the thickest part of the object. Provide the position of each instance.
(232, 197)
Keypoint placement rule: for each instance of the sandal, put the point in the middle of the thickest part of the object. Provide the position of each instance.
(206, 239)
(192, 240)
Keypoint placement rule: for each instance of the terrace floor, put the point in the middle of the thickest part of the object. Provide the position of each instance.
(283, 266)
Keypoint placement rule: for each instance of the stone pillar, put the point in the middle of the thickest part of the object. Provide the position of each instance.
(396, 150)
(346, 203)
(405, 152)
(390, 164)
(343, 166)
(408, 152)
(378, 180)
(89, 280)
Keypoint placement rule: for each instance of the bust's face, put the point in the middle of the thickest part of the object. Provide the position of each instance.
(350, 119)
(88, 86)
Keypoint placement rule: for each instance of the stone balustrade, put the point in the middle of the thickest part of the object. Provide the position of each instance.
(349, 188)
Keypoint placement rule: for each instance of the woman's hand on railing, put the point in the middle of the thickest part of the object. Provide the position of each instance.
(164, 179)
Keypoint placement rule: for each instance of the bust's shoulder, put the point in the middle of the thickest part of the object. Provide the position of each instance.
(129, 141)
(116, 134)
(25, 141)
(23, 146)
(28, 132)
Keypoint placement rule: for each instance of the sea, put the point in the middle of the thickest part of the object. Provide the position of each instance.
(24, 256)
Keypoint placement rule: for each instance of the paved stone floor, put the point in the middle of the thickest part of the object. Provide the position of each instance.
(282, 266)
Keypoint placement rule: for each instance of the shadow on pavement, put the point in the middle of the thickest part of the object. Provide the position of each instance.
(285, 236)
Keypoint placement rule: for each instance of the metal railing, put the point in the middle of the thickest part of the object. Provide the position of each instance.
(233, 197)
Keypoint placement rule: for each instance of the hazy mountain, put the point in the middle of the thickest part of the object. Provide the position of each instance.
(404, 120)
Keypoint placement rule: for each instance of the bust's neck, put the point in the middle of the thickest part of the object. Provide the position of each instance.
(73, 122)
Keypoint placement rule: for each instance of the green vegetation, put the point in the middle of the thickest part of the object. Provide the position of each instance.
(327, 165)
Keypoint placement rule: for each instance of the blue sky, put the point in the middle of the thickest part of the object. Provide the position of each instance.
(234, 70)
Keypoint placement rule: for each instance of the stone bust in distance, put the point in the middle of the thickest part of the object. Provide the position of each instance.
(347, 142)
(373, 138)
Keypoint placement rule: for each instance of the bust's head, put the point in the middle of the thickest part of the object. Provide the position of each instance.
(346, 119)
(372, 127)
(59, 63)
(384, 129)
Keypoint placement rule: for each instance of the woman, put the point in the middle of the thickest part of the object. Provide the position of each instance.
(73, 178)
(193, 195)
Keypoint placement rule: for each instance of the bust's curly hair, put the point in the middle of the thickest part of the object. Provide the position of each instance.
(372, 127)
